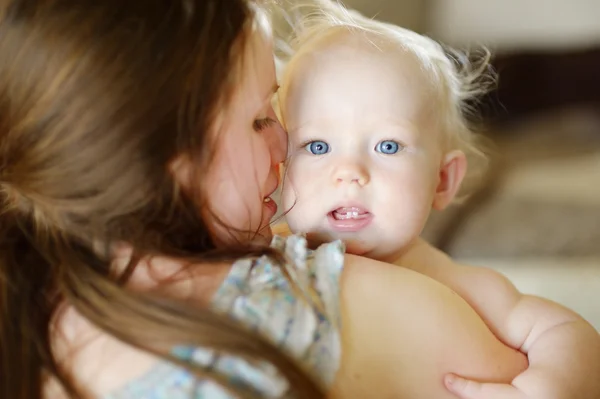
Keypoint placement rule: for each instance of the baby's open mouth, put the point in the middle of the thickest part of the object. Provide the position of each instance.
(347, 213)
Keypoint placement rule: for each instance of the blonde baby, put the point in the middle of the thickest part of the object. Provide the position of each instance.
(378, 138)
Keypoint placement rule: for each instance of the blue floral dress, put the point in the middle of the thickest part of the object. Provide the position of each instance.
(257, 294)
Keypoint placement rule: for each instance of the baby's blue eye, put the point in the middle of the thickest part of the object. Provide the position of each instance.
(317, 147)
(388, 147)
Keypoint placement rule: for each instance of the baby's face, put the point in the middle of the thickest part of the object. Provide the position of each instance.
(364, 149)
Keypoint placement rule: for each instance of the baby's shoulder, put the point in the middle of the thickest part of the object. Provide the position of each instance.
(463, 278)
(425, 258)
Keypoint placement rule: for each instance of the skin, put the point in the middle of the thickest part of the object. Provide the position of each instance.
(405, 349)
(345, 101)
(249, 149)
(397, 351)
(380, 146)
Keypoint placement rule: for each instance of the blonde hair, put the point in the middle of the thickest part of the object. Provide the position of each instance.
(459, 78)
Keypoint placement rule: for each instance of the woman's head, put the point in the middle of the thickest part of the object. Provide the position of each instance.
(118, 121)
(99, 99)
(250, 145)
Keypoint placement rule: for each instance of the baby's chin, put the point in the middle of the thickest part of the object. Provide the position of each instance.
(356, 248)
(372, 250)
(384, 252)
(353, 246)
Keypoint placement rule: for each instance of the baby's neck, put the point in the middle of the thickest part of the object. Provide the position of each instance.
(408, 254)
(422, 255)
(400, 253)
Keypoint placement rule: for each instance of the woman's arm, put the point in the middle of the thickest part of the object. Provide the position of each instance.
(403, 331)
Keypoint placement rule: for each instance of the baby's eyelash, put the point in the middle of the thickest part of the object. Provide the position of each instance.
(304, 143)
(262, 124)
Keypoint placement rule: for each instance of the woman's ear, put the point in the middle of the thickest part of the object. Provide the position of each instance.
(451, 174)
(181, 169)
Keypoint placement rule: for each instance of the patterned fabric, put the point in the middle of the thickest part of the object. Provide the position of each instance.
(303, 322)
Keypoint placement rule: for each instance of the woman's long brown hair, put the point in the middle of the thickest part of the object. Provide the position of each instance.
(96, 98)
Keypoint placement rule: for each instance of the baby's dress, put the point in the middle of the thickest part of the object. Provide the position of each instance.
(257, 294)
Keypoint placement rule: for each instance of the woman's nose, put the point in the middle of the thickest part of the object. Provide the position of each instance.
(278, 142)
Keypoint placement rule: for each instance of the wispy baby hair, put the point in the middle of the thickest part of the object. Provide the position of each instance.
(459, 78)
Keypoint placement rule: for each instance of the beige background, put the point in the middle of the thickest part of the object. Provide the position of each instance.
(505, 25)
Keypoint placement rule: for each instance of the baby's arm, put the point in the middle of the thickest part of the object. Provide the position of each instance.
(563, 349)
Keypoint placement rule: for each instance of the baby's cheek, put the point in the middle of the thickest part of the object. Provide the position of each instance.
(288, 196)
(293, 217)
(294, 184)
(292, 208)
(301, 194)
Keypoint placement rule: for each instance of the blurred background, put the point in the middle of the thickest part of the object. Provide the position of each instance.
(536, 215)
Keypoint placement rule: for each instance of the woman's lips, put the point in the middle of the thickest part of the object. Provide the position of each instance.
(271, 206)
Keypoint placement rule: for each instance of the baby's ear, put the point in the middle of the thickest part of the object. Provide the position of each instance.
(451, 174)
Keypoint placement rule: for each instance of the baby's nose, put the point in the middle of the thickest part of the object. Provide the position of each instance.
(351, 172)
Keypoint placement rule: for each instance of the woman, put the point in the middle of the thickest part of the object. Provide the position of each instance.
(138, 153)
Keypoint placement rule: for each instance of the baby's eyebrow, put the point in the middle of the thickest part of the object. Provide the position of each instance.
(306, 125)
(295, 130)
(292, 130)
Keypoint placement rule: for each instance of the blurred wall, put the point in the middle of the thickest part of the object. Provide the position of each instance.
(411, 14)
(508, 25)
(504, 25)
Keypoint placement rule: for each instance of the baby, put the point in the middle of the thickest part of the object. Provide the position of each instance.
(378, 139)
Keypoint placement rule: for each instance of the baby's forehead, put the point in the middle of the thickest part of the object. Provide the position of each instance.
(346, 48)
(344, 63)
